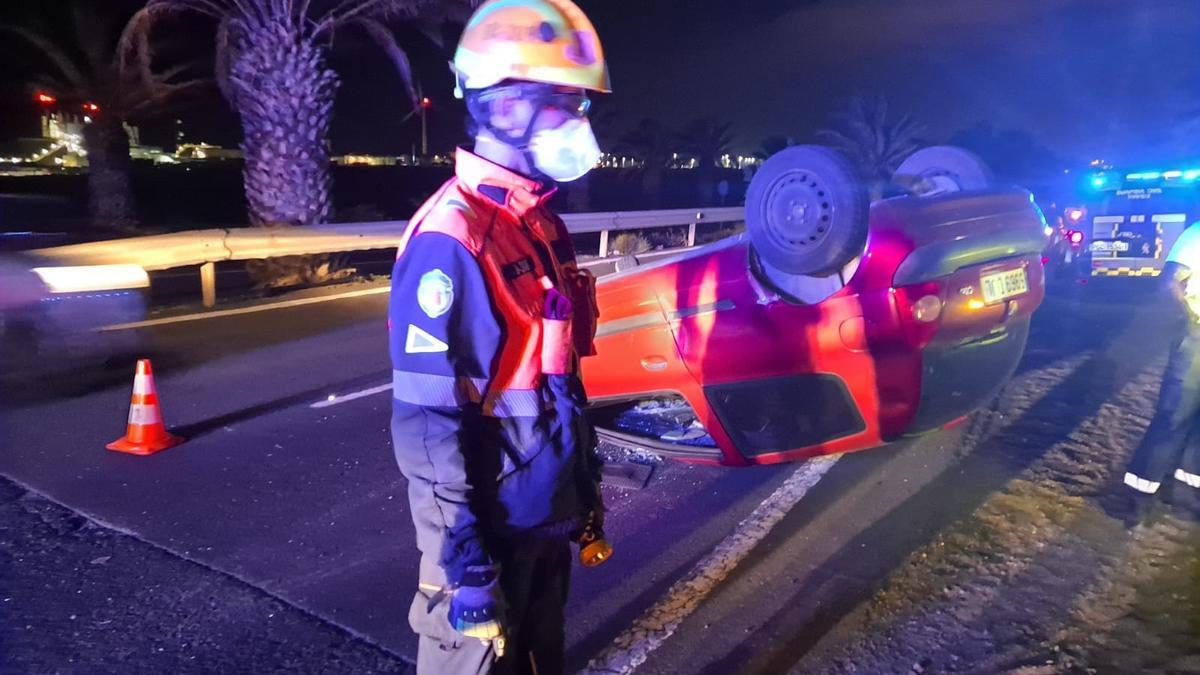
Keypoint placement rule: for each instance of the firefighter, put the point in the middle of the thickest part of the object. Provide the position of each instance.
(1170, 450)
(488, 318)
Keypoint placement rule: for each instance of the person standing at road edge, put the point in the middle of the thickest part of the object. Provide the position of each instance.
(1170, 450)
(488, 318)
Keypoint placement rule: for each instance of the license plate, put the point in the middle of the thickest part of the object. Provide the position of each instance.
(1110, 246)
(1001, 285)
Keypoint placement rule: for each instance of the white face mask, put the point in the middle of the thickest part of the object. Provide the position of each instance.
(566, 152)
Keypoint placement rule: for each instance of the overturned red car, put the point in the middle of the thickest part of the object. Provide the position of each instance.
(833, 324)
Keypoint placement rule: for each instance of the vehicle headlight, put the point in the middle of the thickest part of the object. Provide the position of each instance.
(93, 278)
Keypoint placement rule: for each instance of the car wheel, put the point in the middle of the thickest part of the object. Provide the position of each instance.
(806, 210)
(941, 169)
(625, 262)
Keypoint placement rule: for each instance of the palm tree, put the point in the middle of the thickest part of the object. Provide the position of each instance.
(272, 68)
(875, 142)
(707, 141)
(649, 142)
(99, 62)
(772, 145)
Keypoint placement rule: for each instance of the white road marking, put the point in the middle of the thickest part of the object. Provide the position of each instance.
(334, 399)
(633, 647)
(299, 302)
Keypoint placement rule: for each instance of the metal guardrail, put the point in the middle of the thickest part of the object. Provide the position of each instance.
(208, 247)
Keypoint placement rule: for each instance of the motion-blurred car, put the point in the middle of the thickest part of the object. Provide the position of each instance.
(832, 324)
(51, 313)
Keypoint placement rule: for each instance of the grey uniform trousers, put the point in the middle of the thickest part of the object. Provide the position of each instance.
(534, 576)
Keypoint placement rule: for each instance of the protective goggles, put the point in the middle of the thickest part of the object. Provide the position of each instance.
(575, 104)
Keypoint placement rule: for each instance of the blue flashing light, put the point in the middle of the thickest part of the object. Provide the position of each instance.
(1172, 174)
(1151, 175)
(1098, 181)
(1133, 176)
(1191, 174)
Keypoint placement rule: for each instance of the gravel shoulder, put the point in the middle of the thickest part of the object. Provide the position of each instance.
(78, 597)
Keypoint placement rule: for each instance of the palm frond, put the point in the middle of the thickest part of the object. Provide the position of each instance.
(90, 33)
(387, 42)
(55, 54)
(212, 8)
(225, 55)
(155, 101)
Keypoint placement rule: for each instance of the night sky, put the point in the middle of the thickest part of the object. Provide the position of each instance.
(1087, 78)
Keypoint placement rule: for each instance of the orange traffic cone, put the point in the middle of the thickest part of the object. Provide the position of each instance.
(146, 433)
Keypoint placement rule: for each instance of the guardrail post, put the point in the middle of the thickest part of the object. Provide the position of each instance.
(603, 243)
(691, 238)
(208, 284)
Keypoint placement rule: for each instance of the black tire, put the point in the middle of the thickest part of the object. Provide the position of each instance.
(806, 210)
(942, 169)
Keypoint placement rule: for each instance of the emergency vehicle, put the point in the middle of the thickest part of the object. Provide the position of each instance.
(1127, 222)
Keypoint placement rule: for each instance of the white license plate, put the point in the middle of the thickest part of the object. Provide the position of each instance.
(1110, 246)
(1001, 285)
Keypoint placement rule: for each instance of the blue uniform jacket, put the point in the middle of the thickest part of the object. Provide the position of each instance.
(493, 479)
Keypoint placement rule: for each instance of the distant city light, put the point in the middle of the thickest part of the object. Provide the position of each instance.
(91, 107)
(45, 99)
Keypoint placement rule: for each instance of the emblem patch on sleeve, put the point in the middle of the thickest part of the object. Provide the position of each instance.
(435, 293)
(420, 342)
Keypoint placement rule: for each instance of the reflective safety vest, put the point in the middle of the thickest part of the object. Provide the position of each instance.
(522, 249)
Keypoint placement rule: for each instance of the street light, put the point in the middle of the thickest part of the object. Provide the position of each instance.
(426, 103)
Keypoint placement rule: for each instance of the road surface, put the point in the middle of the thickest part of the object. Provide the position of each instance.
(278, 505)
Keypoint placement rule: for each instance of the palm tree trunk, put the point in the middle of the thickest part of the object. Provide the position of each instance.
(110, 198)
(652, 184)
(284, 94)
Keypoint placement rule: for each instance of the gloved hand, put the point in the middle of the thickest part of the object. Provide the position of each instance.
(593, 547)
(556, 331)
(558, 307)
(477, 605)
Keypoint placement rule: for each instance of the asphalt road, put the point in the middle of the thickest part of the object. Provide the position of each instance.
(305, 505)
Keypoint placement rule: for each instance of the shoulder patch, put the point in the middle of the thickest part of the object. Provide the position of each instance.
(435, 293)
(420, 342)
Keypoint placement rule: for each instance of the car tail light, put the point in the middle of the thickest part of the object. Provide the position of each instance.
(1075, 214)
(927, 309)
(1075, 236)
(920, 310)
